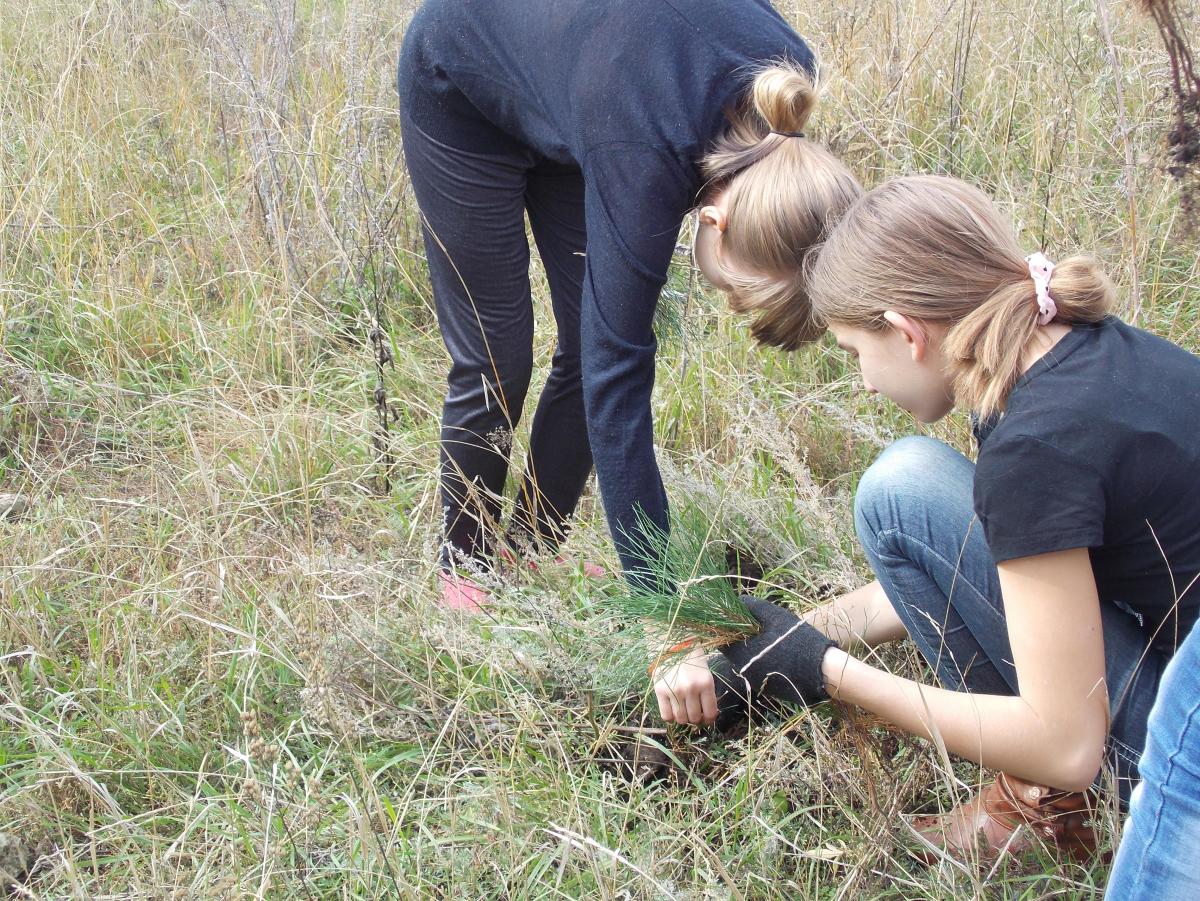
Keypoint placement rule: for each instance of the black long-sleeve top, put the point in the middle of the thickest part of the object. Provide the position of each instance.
(633, 92)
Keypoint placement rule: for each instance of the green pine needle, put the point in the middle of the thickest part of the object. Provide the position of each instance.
(687, 592)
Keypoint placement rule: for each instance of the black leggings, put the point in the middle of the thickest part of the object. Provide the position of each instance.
(474, 184)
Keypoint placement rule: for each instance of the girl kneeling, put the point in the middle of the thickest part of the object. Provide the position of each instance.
(1049, 582)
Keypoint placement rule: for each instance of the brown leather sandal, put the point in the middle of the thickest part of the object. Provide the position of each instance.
(1013, 816)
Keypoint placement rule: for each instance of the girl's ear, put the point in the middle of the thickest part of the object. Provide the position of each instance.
(714, 216)
(911, 331)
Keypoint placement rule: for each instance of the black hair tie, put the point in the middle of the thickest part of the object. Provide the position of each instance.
(788, 134)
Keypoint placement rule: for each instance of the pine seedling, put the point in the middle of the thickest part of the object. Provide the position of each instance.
(684, 598)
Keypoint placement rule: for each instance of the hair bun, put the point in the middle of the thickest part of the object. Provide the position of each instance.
(784, 97)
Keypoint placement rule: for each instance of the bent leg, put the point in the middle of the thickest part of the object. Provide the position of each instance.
(470, 185)
(916, 522)
(915, 518)
(560, 456)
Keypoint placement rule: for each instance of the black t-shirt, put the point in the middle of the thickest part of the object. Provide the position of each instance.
(1099, 447)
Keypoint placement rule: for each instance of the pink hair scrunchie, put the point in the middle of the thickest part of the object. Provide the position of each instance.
(1040, 270)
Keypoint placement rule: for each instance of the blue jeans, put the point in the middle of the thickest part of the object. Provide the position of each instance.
(1157, 859)
(916, 520)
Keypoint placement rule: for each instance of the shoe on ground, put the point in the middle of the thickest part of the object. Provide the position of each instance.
(591, 570)
(1011, 816)
(460, 593)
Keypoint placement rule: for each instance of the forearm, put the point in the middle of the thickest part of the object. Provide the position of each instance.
(1003, 733)
(618, 380)
(864, 616)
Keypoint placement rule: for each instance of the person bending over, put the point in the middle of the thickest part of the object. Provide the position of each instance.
(605, 122)
(1048, 583)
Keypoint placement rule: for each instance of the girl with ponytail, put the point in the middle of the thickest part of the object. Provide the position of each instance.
(1049, 582)
(605, 122)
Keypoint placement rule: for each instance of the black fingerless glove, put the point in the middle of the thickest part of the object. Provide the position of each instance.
(734, 704)
(783, 661)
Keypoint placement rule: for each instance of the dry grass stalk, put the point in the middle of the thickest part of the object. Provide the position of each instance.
(1183, 139)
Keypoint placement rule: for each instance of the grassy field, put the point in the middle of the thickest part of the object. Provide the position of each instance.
(221, 671)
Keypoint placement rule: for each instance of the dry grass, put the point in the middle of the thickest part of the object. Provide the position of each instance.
(221, 674)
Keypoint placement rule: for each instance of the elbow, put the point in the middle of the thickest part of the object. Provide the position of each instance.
(1071, 746)
(1076, 769)
(1079, 776)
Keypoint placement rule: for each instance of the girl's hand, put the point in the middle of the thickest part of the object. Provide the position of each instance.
(685, 690)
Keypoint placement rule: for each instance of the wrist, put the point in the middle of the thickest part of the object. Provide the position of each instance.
(833, 667)
(671, 657)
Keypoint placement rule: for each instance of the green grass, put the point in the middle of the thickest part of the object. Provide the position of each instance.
(221, 671)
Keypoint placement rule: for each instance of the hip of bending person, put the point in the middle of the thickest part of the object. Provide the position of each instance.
(1048, 583)
(604, 122)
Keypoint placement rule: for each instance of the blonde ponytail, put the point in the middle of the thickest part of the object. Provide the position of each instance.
(986, 348)
(937, 250)
(781, 192)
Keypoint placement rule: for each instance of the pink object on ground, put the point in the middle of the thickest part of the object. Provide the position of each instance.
(461, 594)
(591, 570)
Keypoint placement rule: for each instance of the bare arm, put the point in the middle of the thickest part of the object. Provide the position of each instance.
(686, 692)
(1053, 732)
(865, 616)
